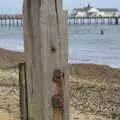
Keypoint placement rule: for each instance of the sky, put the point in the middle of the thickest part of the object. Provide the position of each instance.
(95, 3)
(15, 6)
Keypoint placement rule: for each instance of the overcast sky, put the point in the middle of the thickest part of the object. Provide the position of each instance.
(14, 6)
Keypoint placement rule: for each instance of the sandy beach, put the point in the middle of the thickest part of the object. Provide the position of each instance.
(93, 90)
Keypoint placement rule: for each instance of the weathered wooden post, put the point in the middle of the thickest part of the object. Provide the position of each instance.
(45, 37)
(22, 92)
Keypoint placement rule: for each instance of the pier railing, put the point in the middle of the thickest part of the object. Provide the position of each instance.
(17, 20)
(94, 20)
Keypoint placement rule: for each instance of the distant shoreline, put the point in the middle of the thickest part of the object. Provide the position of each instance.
(10, 58)
(13, 58)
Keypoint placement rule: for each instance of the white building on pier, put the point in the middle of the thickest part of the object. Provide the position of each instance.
(95, 12)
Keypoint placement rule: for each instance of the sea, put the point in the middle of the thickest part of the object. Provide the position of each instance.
(86, 44)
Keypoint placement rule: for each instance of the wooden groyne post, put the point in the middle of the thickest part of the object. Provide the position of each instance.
(46, 57)
(22, 92)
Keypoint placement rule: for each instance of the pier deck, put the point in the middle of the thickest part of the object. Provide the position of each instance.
(11, 20)
(94, 20)
(17, 20)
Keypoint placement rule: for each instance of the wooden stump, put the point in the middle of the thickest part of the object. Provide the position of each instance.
(45, 37)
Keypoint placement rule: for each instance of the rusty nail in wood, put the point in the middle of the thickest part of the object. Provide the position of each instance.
(57, 101)
(58, 76)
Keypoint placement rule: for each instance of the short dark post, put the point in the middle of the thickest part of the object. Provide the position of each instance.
(116, 21)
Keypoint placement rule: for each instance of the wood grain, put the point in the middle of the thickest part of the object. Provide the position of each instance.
(45, 36)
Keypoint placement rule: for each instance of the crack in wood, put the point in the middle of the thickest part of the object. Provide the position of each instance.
(32, 91)
(57, 17)
(39, 3)
(29, 3)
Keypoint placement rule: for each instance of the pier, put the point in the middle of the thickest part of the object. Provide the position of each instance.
(11, 20)
(17, 20)
(94, 20)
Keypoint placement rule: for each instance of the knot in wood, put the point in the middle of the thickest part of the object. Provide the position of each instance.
(53, 49)
(58, 76)
(57, 101)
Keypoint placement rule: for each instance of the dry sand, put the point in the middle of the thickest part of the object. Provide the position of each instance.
(9, 94)
(4, 116)
(9, 89)
(94, 90)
